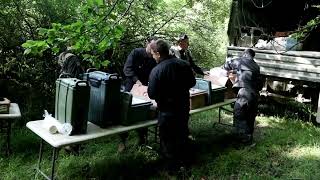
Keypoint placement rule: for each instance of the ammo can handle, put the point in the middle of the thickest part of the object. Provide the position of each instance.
(79, 83)
(67, 75)
(113, 76)
(91, 70)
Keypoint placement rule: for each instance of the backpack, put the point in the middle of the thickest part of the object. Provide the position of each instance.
(70, 65)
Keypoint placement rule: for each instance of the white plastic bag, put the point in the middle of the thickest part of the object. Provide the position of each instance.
(54, 126)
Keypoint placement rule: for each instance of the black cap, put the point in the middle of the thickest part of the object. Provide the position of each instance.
(249, 52)
(182, 37)
(150, 38)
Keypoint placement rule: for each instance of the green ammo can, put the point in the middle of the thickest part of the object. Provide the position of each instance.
(72, 101)
(138, 110)
(217, 93)
(204, 85)
(104, 103)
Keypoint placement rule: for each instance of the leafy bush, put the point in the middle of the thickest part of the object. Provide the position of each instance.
(100, 32)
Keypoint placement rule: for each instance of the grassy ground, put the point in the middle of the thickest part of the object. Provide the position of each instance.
(285, 149)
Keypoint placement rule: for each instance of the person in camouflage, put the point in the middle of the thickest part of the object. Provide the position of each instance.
(247, 85)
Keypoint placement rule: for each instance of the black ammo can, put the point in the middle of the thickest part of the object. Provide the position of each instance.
(104, 104)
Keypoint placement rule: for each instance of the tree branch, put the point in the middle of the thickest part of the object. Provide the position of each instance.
(24, 19)
(123, 15)
(174, 16)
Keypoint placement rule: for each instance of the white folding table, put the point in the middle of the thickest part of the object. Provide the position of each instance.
(6, 119)
(57, 141)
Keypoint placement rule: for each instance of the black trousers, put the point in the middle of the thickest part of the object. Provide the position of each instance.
(245, 112)
(174, 142)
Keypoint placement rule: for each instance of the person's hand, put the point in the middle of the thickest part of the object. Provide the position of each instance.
(138, 82)
(232, 77)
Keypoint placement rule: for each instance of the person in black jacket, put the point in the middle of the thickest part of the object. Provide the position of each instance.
(138, 66)
(181, 51)
(169, 85)
(247, 84)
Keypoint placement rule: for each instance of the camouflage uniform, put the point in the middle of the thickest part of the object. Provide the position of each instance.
(247, 85)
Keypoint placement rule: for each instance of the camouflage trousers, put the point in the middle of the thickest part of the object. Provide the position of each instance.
(245, 112)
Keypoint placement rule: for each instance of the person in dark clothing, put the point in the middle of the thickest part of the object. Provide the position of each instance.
(169, 85)
(181, 51)
(247, 85)
(138, 66)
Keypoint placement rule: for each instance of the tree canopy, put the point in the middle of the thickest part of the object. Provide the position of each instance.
(102, 33)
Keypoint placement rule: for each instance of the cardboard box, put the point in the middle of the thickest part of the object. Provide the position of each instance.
(4, 106)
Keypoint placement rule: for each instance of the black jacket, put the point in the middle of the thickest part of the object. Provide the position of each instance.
(169, 85)
(186, 55)
(139, 65)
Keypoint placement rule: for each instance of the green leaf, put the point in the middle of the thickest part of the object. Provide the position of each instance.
(100, 2)
(56, 26)
(90, 2)
(42, 31)
(27, 51)
(55, 50)
(103, 45)
(27, 44)
(77, 46)
(95, 2)
(105, 63)
(86, 56)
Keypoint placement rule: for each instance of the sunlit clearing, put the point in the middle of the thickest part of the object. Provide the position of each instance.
(304, 152)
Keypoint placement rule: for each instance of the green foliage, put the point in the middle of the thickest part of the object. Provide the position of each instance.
(25, 80)
(100, 27)
(205, 23)
(303, 32)
(91, 35)
(100, 32)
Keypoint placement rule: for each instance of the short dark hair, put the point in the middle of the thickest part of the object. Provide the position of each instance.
(182, 37)
(249, 52)
(160, 46)
(150, 38)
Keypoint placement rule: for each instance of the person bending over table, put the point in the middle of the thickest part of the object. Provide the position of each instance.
(138, 66)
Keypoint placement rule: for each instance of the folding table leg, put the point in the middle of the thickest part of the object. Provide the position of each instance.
(156, 134)
(55, 152)
(8, 138)
(219, 115)
(54, 158)
(220, 118)
(147, 136)
(39, 159)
